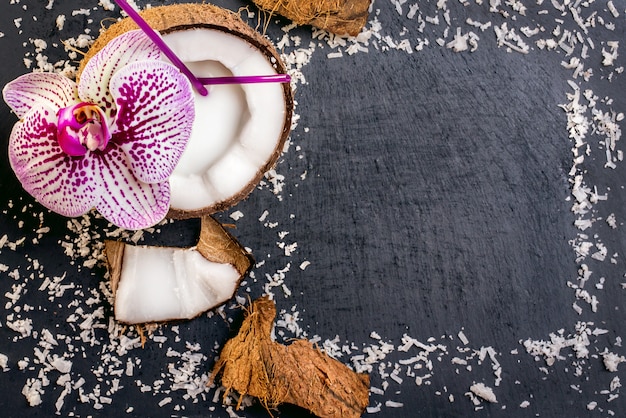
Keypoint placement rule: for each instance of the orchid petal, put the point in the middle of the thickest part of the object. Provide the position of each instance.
(125, 49)
(59, 182)
(47, 89)
(155, 116)
(126, 201)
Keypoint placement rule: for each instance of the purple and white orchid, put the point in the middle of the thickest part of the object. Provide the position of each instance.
(111, 141)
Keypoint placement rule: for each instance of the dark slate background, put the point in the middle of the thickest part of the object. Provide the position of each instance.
(435, 201)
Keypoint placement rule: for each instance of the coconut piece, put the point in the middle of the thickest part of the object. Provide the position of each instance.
(337, 16)
(299, 374)
(240, 130)
(155, 284)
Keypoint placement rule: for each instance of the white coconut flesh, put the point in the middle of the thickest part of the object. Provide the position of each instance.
(237, 127)
(164, 283)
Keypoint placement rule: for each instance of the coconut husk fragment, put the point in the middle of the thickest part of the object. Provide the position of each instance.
(217, 245)
(342, 17)
(114, 254)
(299, 373)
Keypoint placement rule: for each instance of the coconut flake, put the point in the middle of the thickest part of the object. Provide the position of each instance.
(484, 392)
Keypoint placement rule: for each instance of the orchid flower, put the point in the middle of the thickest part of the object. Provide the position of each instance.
(109, 141)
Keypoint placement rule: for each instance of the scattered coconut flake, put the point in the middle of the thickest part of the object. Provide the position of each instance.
(32, 390)
(612, 360)
(237, 215)
(484, 392)
(60, 22)
(463, 338)
(4, 362)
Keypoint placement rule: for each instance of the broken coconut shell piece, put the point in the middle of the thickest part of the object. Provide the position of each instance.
(251, 363)
(341, 17)
(157, 284)
(239, 130)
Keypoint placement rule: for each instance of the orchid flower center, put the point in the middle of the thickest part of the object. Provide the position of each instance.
(82, 127)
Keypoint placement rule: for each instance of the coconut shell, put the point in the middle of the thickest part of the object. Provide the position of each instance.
(342, 17)
(114, 252)
(180, 17)
(217, 245)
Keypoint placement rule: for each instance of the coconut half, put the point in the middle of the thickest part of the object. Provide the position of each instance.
(158, 284)
(239, 130)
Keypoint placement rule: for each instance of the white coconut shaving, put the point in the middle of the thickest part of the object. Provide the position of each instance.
(4, 362)
(484, 392)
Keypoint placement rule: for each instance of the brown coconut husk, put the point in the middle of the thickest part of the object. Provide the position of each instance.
(179, 17)
(299, 373)
(218, 245)
(337, 16)
(215, 244)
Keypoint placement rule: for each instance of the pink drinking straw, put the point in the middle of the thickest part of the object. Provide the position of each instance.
(246, 79)
(154, 36)
(198, 83)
